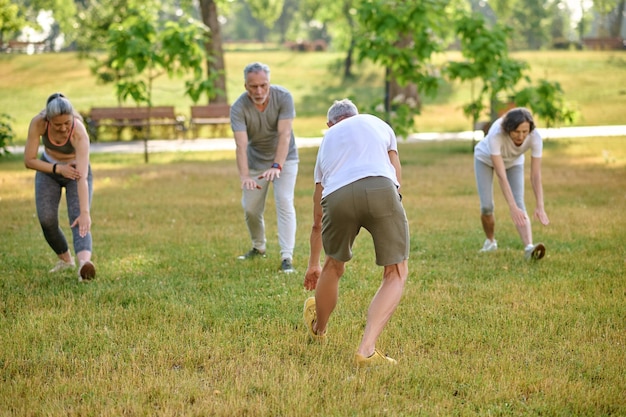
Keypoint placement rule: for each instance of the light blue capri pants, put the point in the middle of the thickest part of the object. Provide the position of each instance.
(484, 181)
(48, 189)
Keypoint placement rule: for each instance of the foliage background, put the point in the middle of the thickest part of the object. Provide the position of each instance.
(314, 79)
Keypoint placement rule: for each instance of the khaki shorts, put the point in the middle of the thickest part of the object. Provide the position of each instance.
(374, 204)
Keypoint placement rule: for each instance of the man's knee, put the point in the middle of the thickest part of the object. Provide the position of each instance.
(399, 271)
(334, 265)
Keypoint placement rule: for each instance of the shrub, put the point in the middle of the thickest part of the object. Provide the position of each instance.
(6, 133)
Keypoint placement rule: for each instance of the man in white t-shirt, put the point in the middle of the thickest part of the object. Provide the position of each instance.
(357, 181)
(502, 151)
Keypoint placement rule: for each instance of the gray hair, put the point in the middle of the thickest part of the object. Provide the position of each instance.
(516, 117)
(255, 67)
(341, 109)
(57, 105)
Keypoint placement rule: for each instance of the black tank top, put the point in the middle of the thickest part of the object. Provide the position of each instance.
(65, 148)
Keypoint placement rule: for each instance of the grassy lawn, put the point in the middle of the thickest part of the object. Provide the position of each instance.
(174, 325)
(593, 82)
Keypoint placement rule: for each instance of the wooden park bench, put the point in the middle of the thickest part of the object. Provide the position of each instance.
(136, 118)
(216, 115)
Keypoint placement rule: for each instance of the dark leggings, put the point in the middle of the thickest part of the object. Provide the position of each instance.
(48, 198)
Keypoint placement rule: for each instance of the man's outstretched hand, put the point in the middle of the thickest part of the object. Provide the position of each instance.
(311, 276)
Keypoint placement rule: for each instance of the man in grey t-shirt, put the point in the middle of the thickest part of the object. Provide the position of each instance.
(262, 120)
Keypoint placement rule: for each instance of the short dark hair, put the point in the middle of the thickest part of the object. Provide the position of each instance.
(515, 117)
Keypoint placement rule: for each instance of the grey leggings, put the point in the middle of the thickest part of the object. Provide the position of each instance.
(484, 181)
(47, 199)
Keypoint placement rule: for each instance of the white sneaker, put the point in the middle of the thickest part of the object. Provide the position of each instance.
(489, 246)
(62, 265)
(534, 252)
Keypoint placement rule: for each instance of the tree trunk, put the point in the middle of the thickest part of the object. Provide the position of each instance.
(616, 27)
(347, 65)
(215, 65)
(404, 93)
(347, 68)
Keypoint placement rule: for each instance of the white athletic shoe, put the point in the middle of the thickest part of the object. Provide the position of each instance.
(489, 246)
(62, 265)
(534, 252)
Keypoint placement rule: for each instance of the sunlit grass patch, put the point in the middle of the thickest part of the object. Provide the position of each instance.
(175, 325)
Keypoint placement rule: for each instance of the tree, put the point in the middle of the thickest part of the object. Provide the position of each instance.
(6, 133)
(63, 11)
(504, 9)
(547, 102)
(531, 20)
(339, 18)
(96, 20)
(486, 60)
(604, 9)
(266, 11)
(403, 37)
(10, 20)
(216, 76)
(140, 50)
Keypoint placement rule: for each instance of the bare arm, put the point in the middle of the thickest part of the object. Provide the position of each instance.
(285, 126)
(35, 130)
(535, 179)
(80, 142)
(241, 153)
(314, 268)
(395, 161)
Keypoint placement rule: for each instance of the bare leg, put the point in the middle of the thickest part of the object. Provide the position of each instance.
(525, 232)
(66, 257)
(383, 305)
(326, 292)
(489, 225)
(83, 256)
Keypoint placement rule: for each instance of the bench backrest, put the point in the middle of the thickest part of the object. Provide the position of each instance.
(133, 113)
(209, 111)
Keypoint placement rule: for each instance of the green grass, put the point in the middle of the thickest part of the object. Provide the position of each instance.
(174, 325)
(593, 83)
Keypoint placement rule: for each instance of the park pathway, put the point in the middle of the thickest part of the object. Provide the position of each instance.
(228, 144)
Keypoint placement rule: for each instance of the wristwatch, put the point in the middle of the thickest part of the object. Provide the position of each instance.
(277, 165)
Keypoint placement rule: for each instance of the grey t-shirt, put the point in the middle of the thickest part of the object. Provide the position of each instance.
(262, 126)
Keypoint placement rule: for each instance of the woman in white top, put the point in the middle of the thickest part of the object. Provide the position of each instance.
(502, 151)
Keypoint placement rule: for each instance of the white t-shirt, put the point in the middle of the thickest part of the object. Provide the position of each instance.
(498, 142)
(355, 148)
